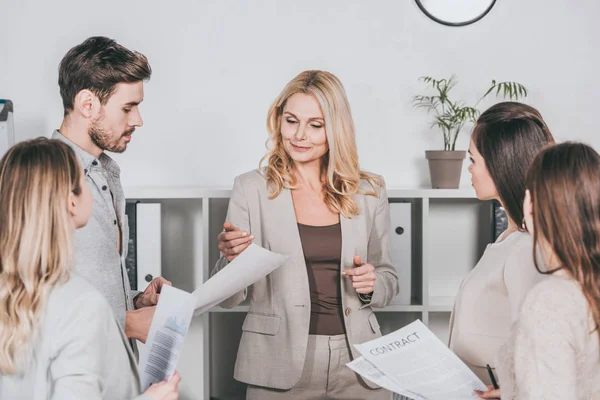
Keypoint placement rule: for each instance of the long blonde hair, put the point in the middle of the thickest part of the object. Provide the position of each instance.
(340, 164)
(36, 239)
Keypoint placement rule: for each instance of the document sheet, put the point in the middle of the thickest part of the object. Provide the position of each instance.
(369, 371)
(251, 265)
(167, 332)
(176, 307)
(413, 362)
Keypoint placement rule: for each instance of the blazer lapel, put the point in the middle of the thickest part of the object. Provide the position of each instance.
(348, 226)
(347, 256)
(285, 239)
(353, 243)
(289, 225)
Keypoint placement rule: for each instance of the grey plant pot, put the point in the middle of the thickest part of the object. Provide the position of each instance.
(445, 168)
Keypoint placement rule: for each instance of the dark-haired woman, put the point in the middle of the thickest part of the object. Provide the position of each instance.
(506, 139)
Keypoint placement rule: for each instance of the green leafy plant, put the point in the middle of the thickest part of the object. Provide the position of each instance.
(450, 116)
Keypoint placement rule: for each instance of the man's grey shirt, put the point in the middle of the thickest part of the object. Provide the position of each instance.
(97, 257)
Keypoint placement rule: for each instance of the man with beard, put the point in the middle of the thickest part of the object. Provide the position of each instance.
(101, 85)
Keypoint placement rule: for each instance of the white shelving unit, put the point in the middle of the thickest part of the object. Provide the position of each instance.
(450, 229)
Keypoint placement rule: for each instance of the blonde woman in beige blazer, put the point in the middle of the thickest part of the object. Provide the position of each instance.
(59, 339)
(312, 203)
(505, 141)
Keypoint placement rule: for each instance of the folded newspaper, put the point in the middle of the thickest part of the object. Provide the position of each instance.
(414, 363)
(176, 308)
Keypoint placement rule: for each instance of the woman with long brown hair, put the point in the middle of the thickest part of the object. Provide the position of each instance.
(506, 139)
(554, 348)
(313, 202)
(59, 338)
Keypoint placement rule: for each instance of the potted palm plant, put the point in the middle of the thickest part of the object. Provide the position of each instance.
(449, 116)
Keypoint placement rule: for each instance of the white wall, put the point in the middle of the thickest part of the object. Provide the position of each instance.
(219, 64)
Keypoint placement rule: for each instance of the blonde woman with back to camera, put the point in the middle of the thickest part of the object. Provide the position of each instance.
(59, 339)
(505, 141)
(312, 202)
(553, 352)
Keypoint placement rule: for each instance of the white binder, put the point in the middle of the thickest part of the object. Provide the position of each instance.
(7, 133)
(400, 240)
(148, 243)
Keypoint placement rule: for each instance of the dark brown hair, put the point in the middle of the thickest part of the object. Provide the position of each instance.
(99, 64)
(564, 183)
(508, 136)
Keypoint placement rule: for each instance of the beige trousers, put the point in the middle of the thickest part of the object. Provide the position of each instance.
(325, 376)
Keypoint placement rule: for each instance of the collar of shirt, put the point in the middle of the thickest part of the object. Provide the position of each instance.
(89, 161)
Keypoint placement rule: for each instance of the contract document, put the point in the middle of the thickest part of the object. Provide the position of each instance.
(369, 371)
(413, 362)
(176, 307)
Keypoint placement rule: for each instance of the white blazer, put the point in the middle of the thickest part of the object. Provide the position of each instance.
(80, 352)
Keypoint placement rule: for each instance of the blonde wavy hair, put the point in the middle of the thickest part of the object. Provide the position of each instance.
(36, 239)
(340, 164)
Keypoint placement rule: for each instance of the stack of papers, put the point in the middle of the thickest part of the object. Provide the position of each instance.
(413, 362)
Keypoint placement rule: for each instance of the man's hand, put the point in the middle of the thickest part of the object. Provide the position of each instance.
(362, 276)
(232, 241)
(137, 323)
(150, 296)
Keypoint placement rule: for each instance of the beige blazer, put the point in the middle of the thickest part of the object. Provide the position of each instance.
(80, 352)
(275, 332)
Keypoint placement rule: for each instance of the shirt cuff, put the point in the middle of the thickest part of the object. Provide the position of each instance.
(365, 298)
(135, 297)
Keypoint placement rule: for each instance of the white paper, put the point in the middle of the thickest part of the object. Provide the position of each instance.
(415, 360)
(251, 265)
(363, 367)
(167, 332)
(176, 307)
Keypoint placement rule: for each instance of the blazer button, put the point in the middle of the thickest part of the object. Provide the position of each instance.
(348, 311)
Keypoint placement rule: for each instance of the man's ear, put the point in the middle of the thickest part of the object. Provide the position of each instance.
(86, 103)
